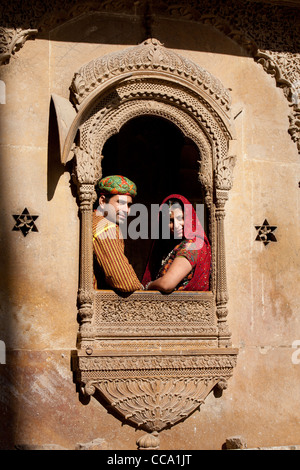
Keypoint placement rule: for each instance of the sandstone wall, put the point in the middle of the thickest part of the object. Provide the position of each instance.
(39, 272)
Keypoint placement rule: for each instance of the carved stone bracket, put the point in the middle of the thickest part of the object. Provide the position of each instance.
(224, 173)
(285, 68)
(12, 40)
(153, 360)
(87, 167)
(153, 390)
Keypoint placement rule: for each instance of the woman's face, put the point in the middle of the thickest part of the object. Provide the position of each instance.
(176, 222)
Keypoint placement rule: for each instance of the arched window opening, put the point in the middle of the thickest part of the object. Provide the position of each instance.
(154, 153)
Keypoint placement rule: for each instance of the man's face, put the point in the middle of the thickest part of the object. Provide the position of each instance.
(117, 209)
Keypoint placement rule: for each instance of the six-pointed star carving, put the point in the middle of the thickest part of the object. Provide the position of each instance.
(25, 222)
(265, 233)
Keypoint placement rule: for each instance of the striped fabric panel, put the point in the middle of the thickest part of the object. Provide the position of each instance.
(108, 247)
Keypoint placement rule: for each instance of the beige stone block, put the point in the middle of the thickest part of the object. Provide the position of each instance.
(263, 303)
(41, 407)
(264, 396)
(25, 116)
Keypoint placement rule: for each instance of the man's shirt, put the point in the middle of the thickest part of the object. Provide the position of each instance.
(112, 269)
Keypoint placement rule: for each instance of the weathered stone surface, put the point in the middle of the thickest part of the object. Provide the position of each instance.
(39, 403)
(235, 442)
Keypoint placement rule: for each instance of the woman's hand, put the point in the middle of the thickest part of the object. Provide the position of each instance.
(180, 268)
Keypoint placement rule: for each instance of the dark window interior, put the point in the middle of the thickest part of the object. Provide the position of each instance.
(154, 153)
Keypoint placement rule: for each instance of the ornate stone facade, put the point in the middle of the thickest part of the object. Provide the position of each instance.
(151, 359)
(277, 52)
(148, 342)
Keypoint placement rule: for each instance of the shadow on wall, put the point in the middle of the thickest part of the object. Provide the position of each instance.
(109, 29)
(55, 169)
(8, 375)
(144, 17)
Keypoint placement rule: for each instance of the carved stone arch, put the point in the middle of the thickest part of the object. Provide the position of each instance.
(165, 353)
(149, 71)
(95, 133)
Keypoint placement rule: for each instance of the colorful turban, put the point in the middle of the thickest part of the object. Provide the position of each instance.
(116, 184)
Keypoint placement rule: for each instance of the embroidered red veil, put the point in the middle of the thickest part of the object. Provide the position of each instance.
(193, 230)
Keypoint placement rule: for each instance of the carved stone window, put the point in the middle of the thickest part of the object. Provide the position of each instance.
(153, 358)
(156, 155)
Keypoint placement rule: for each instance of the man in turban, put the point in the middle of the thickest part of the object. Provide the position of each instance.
(112, 269)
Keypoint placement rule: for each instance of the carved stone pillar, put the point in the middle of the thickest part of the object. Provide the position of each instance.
(85, 294)
(221, 287)
(223, 180)
(87, 173)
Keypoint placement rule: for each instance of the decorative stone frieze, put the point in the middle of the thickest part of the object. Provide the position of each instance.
(149, 314)
(149, 55)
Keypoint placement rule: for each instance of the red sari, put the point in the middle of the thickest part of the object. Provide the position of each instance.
(194, 246)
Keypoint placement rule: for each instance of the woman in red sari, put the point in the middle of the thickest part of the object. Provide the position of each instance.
(183, 261)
